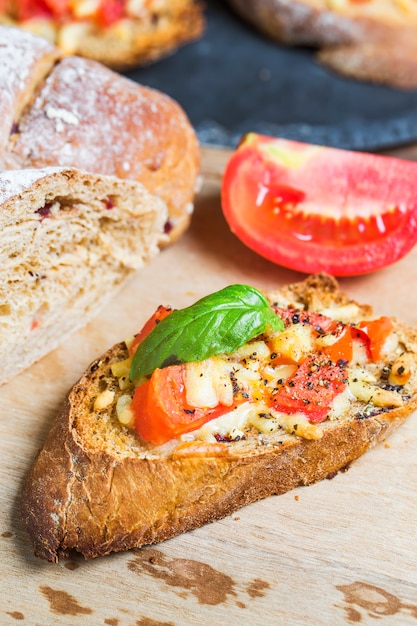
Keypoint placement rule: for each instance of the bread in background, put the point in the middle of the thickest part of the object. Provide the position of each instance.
(371, 40)
(119, 34)
(74, 112)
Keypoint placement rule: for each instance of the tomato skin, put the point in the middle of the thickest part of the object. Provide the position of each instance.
(161, 410)
(311, 389)
(160, 313)
(314, 209)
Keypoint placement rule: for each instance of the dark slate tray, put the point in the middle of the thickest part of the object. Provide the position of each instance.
(233, 81)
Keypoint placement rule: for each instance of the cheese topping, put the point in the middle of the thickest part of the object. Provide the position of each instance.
(268, 386)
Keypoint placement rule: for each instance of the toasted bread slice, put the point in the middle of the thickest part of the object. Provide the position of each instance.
(140, 33)
(96, 487)
(69, 240)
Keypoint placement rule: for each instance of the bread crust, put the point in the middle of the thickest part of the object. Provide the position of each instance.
(116, 496)
(356, 43)
(20, 50)
(393, 64)
(299, 23)
(78, 113)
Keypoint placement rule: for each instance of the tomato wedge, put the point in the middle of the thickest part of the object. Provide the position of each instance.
(313, 209)
(161, 410)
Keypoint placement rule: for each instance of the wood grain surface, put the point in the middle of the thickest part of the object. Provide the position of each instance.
(340, 552)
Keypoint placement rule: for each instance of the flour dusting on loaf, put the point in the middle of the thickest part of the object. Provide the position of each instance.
(24, 60)
(74, 112)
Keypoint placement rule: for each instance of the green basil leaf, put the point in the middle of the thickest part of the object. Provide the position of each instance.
(219, 323)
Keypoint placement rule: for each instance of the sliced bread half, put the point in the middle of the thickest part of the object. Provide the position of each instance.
(68, 240)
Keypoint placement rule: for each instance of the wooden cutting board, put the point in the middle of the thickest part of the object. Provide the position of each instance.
(340, 552)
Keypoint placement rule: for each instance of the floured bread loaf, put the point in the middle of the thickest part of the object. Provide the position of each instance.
(74, 112)
(120, 34)
(296, 406)
(68, 240)
(374, 40)
(24, 63)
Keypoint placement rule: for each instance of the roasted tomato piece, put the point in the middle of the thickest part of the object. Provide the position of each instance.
(160, 313)
(314, 209)
(161, 409)
(341, 348)
(377, 332)
(110, 11)
(28, 9)
(312, 388)
(321, 323)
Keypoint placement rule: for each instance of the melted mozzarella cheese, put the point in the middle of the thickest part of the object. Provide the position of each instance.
(232, 425)
(232, 422)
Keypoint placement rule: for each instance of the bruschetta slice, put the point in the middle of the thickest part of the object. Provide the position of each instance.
(118, 33)
(241, 396)
(372, 40)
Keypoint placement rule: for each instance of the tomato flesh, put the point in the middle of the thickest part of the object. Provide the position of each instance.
(377, 332)
(341, 349)
(322, 323)
(312, 388)
(107, 13)
(160, 313)
(28, 9)
(313, 209)
(110, 12)
(161, 410)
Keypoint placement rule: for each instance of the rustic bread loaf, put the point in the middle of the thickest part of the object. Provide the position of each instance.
(127, 35)
(74, 112)
(68, 240)
(111, 491)
(373, 40)
(24, 63)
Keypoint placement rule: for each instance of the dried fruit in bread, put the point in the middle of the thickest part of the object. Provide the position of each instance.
(69, 239)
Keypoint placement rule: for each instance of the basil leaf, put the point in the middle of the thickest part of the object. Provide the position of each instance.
(219, 323)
